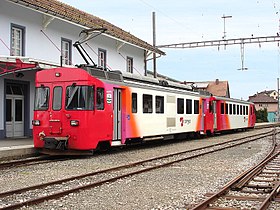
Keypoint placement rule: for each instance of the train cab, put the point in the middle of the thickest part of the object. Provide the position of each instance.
(69, 104)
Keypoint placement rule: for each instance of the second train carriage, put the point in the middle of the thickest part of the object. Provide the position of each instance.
(82, 109)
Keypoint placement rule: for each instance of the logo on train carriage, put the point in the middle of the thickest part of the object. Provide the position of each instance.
(184, 121)
(109, 97)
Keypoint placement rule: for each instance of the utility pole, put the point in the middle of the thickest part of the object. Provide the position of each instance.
(224, 17)
(278, 99)
(154, 44)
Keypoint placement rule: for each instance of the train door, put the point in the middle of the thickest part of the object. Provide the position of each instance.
(55, 115)
(14, 115)
(202, 114)
(117, 117)
(215, 114)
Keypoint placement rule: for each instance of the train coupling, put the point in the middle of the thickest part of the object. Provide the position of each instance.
(59, 143)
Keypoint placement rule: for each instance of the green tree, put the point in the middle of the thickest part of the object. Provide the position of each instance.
(261, 115)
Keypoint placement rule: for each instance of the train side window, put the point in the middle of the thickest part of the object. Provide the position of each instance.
(230, 108)
(147, 103)
(188, 106)
(134, 102)
(159, 104)
(222, 108)
(237, 109)
(244, 110)
(180, 106)
(57, 98)
(226, 108)
(210, 107)
(247, 110)
(100, 99)
(196, 106)
(241, 110)
(234, 108)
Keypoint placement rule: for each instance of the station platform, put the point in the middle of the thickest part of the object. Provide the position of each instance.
(17, 147)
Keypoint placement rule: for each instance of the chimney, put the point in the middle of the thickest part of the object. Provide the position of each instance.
(217, 81)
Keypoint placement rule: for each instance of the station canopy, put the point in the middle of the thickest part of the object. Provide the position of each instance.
(13, 64)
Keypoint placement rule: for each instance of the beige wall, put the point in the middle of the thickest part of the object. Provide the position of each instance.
(272, 107)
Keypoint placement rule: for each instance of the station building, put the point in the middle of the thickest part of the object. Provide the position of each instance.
(39, 34)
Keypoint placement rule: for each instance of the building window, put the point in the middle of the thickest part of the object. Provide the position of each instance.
(147, 104)
(129, 64)
(134, 102)
(66, 51)
(102, 58)
(180, 106)
(159, 104)
(17, 40)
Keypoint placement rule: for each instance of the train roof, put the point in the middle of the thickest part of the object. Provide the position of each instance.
(233, 100)
(125, 77)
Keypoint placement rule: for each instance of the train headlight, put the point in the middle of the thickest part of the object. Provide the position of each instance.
(36, 122)
(74, 122)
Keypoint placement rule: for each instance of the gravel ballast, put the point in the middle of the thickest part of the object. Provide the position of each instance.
(174, 187)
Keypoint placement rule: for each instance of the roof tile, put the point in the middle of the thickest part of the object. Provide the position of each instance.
(75, 15)
(262, 98)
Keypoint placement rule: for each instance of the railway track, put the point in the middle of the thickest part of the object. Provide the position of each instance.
(55, 189)
(31, 161)
(254, 189)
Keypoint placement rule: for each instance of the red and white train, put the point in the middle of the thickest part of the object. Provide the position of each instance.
(88, 108)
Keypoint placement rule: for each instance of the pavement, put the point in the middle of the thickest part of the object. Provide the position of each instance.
(17, 147)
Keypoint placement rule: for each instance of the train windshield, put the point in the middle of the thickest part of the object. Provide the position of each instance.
(42, 95)
(79, 97)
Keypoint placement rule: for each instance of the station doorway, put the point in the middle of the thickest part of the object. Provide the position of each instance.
(15, 110)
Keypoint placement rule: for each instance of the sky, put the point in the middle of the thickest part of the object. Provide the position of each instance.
(181, 21)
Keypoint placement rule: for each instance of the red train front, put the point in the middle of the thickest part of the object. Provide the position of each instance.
(69, 108)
